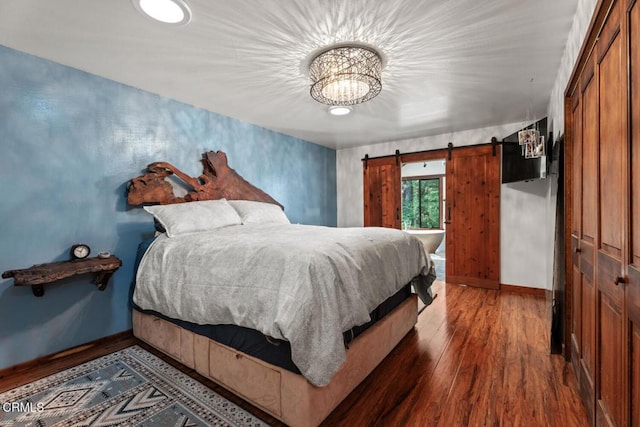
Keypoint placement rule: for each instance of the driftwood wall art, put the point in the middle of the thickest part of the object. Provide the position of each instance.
(217, 181)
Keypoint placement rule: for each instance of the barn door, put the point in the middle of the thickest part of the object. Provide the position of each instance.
(382, 202)
(473, 217)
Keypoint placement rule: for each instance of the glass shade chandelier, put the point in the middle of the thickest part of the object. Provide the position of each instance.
(345, 75)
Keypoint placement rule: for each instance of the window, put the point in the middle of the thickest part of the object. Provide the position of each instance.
(422, 202)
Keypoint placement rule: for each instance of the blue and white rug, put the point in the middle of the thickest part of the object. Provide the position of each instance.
(131, 387)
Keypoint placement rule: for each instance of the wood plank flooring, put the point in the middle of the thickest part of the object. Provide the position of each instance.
(476, 358)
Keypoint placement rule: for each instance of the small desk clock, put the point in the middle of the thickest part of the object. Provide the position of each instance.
(80, 251)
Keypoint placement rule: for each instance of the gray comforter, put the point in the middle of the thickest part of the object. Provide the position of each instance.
(304, 284)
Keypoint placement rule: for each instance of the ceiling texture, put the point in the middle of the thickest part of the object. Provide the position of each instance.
(450, 65)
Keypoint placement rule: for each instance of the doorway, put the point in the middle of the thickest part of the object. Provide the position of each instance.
(471, 213)
(423, 205)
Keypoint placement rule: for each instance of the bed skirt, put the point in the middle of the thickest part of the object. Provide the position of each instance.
(286, 396)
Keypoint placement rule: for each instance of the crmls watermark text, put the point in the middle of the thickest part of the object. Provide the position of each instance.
(22, 407)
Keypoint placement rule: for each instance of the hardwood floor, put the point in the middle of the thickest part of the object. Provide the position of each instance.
(39, 368)
(477, 357)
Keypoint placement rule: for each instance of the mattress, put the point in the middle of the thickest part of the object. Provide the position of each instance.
(275, 352)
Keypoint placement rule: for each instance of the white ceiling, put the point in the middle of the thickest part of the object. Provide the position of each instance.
(451, 65)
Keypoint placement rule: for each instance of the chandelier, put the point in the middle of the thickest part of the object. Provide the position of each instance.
(345, 75)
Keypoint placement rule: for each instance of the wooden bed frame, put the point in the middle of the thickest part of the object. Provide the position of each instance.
(287, 396)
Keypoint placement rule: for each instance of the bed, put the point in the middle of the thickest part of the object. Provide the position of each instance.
(333, 301)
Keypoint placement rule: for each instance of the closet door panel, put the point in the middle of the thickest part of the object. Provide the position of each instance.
(612, 138)
(589, 230)
(634, 397)
(589, 196)
(588, 350)
(610, 384)
(576, 323)
(576, 318)
(576, 220)
(632, 290)
(634, 68)
(611, 222)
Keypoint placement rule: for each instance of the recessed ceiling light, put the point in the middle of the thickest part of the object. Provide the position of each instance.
(167, 11)
(338, 110)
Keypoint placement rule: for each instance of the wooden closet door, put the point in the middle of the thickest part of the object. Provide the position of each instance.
(473, 215)
(382, 195)
(605, 280)
(611, 221)
(589, 230)
(633, 264)
(576, 232)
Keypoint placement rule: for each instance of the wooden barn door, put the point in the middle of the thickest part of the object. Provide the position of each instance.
(473, 217)
(382, 195)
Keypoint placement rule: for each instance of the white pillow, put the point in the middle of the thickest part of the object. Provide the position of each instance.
(259, 212)
(192, 217)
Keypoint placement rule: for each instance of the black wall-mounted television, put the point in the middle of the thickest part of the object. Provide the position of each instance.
(515, 167)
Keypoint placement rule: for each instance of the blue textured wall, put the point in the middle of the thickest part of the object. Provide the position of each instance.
(70, 141)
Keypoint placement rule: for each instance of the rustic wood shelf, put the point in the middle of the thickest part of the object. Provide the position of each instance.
(42, 274)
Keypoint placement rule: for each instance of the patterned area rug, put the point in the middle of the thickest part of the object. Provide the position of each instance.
(131, 387)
